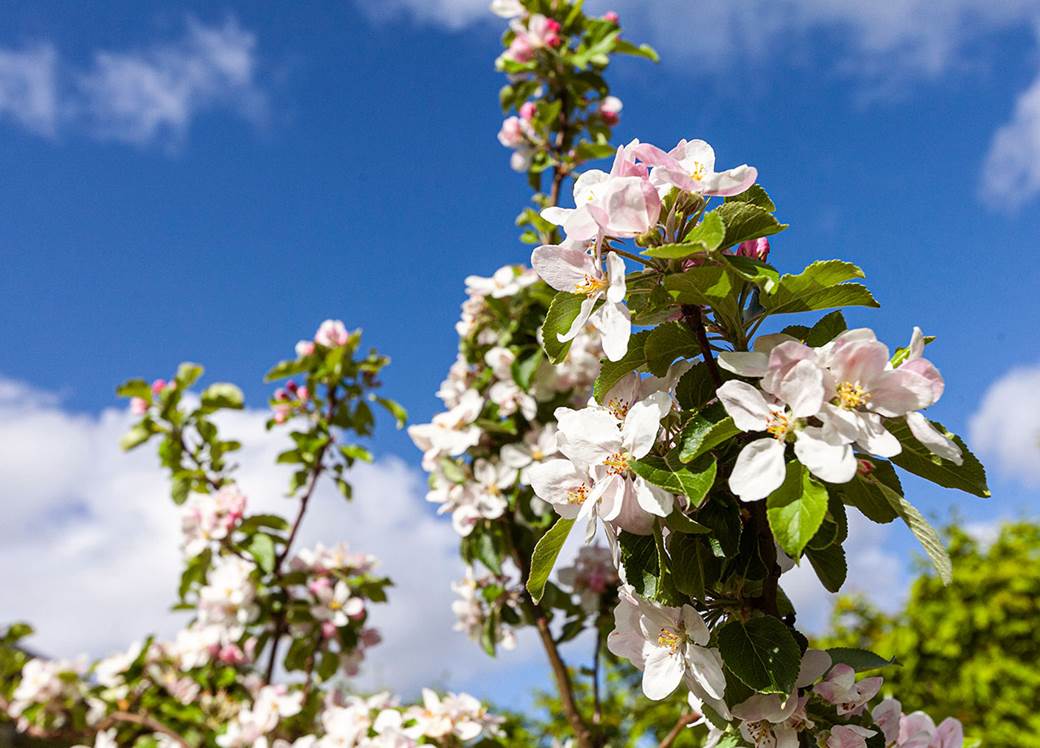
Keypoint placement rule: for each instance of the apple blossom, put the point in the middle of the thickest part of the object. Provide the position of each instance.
(690, 166)
(848, 695)
(507, 281)
(228, 597)
(538, 445)
(592, 577)
(507, 8)
(849, 736)
(332, 333)
(570, 268)
(667, 644)
(609, 109)
(450, 433)
(756, 249)
(334, 603)
(210, 517)
(774, 721)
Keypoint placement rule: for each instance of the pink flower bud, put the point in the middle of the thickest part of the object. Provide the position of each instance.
(512, 133)
(281, 415)
(756, 249)
(864, 466)
(610, 109)
(290, 386)
(304, 348)
(328, 629)
(611, 16)
(371, 637)
(281, 394)
(158, 386)
(303, 394)
(528, 110)
(138, 406)
(231, 654)
(520, 49)
(318, 585)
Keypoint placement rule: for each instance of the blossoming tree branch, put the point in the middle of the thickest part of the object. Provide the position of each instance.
(637, 387)
(641, 384)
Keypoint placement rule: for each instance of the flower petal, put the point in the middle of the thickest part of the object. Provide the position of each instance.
(759, 470)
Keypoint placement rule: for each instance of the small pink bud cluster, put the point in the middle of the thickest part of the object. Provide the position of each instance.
(610, 110)
(756, 249)
(539, 33)
(139, 405)
(611, 16)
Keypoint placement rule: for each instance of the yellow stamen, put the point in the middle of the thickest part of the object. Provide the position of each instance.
(578, 495)
(617, 463)
(618, 407)
(697, 174)
(778, 425)
(670, 639)
(852, 396)
(590, 285)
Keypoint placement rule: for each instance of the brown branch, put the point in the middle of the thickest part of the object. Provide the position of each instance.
(767, 552)
(280, 619)
(681, 724)
(695, 321)
(143, 720)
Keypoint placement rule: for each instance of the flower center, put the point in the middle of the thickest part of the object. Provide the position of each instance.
(618, 407)
(578, 495)
(669, 639)
(493, 490)
(335, 605)
(537, 455)
(760, 732)
(617, 463)
(852, 396)
(778, 425)
(697, 173)
(590, 285)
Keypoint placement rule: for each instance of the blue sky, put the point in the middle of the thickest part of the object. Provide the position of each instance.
(339, 160)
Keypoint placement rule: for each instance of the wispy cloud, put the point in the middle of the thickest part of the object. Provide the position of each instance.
(1006, 427)
(140, 96)
(1011, 171)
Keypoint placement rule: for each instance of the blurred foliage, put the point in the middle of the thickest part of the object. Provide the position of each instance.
(970, 650)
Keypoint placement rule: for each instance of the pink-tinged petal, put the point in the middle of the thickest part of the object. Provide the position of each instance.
(745, 405)
(695, 151)
(553, 480)
(828, 461)
(586, 184)
(896, 393)
(608, 496)
(936, 442)
(759, 470)
(916, 347)
(859, 362)
(616, 275)
(632, 517)
(949, 734)
(615, 323)
(625, 206)
(580, 226)
(744, 363)
(639, 432)
(783, 357)
(564, 268)
(730, 182)
(802, 389)
(556, 215)
(926, 369)
(886, 716)
(584, 313)
(652, 499)
(815, 662)
(662, 673)
(767, 707)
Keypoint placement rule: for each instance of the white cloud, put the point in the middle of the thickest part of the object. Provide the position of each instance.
(1011, 172)
(920, 37)
(138, 96)
(88, 546)
(27, 87)
(1006, 427)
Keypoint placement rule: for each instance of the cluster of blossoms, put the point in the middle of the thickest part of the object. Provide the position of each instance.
(593, 577)
(485, 607)
(827, 401)
(208, 519)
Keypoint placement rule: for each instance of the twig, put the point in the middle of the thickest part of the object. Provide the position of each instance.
(681, 724)
(695, 321)
(597, 709)
(144, 721)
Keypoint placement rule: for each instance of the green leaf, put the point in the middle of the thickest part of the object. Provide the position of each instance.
(922, 530)
(394, 408)
(261, 548)
(256, 521)
(666, 343)
(678, 522)
(755, 195)
(544, 557)
(705, 431)
(917, 459)
(704, 285)
(708, 234)
(830, 565)
(135, 388)
(643, 50)
(524, 369)
(754, 271)
(587, 151)
(222, 395)
(612, 372)
(796, 509)
(639, 560)
(745, 221)
(138, 434)
(693, 481)
(826, 329)
(762, 653)
(694, 568)
(860, 660)
(562, 312)
(288, 368)
(695, 388)
(866, 495)
(187, 374)
(819, 286)
(674, 251)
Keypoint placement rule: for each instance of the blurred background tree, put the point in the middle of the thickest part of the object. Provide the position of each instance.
(970, 650)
